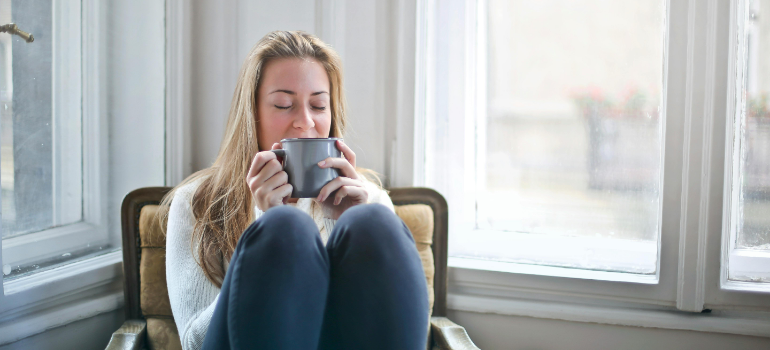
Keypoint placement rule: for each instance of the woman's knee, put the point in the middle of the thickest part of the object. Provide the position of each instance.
(373, 224)
(282, 225)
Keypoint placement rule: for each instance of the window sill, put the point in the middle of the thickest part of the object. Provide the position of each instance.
(552, 271)
(56, 297)
(598, 258)
(491, 292)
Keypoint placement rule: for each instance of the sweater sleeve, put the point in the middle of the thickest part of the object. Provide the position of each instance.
(379, 195)
(193, 297)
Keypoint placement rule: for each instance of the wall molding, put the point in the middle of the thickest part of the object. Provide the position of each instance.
(400, 146)
(53, 298)
(330, 24)
(178, 53)
(750, 324)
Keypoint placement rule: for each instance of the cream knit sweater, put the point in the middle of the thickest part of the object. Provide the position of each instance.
(193, 297)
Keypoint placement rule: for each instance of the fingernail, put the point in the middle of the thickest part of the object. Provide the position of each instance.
(321, 163)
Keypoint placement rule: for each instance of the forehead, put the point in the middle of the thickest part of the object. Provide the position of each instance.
(301, 75)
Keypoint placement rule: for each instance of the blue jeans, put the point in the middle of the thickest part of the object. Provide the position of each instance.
(284, 290)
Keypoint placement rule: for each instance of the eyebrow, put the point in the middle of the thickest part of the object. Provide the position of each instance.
(294, 93)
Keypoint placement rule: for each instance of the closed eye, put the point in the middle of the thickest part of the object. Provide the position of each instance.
(282, 107)
(320, 108)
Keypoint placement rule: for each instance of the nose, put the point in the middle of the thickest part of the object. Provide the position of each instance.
(304, 119)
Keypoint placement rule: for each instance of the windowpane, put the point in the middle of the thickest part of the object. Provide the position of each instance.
(41, 155)
(573, 132)
(754, 218)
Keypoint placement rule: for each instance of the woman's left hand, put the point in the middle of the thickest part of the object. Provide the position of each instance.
(349, 186)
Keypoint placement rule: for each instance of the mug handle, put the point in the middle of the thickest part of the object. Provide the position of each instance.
(280, 153)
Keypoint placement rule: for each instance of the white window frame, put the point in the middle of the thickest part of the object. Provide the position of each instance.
(689, 264)
(740, 261)
(67, 88)
(83, 288)
(86, 287)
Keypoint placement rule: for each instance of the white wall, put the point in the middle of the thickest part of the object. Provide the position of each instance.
(224, 32)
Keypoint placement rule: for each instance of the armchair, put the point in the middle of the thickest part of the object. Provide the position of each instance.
(149, 322)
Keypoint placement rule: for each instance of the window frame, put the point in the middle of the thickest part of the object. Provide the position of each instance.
(699, 35)
(70, 74)
(92, 285)
(756, 260)
(33, 303)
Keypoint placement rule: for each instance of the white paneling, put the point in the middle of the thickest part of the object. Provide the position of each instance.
(224, 33)
(178, 48)
(136, 103)
(362, 84)
(214, 70)
(257, 18)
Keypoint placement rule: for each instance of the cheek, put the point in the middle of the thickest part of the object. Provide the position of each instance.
(323, 124)
(270, 128)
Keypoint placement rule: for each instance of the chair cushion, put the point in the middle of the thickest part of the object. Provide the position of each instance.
(153, 292)
(419, 219)
(149, 228)
(162, 334)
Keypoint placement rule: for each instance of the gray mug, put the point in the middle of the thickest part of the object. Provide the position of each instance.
(300, 162)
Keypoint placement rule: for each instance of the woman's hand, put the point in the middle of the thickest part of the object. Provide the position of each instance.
(349, 187)
(268, 183)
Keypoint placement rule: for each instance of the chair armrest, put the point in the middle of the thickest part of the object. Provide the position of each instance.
(447, 335)
(130, 336)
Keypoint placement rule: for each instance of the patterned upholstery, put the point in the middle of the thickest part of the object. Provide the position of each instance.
(156, 308)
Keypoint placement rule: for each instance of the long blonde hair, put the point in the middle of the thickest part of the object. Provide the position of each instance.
(222, 204)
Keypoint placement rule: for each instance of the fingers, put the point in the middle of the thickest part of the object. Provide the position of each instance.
(259, 161)
(280, 178)
(347, 152)
(279, 195)
(272, 192)
(268, 171)
(358, 194)
(343, 164)
(274, 197)
(267, 181)
(335, 184)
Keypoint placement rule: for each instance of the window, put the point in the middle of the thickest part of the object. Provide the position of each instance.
(43, 209)
(82, 125)
(748, 230)
(580, 146)
(99, 114)
(565, 136)
(569, 147)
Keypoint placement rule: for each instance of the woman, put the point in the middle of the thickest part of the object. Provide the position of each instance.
(247, 267)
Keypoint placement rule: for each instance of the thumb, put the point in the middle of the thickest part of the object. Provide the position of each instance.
(276, 145)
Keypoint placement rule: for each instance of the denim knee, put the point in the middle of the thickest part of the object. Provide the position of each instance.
(282, 225)
(372, 224)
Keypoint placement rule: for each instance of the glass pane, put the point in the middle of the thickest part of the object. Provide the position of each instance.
(573, 141)
(41, 155)
(754, 221)
(40, 179)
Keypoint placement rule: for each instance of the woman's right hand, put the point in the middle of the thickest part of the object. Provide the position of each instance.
(268, 183)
